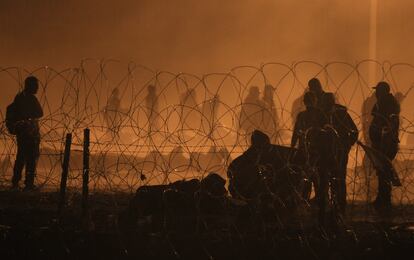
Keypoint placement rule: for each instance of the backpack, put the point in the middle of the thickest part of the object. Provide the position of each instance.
(11, 118)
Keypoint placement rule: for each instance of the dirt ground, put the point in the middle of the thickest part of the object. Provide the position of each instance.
(30, 227)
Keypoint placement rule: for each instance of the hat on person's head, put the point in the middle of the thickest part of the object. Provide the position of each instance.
(382, 86)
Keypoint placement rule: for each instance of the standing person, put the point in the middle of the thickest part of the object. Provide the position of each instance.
(209, 110)
(346, 134)
(27, 113)
(383, 133)
(189, 111)
(113, 113)
(151, 101)
(271, 120)
(252, 111)
(307, 128)
(366, 116)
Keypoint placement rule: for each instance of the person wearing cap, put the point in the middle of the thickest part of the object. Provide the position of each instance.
(383, 133)
(28, 110)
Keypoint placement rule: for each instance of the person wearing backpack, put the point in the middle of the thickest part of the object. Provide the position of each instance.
(23, 115)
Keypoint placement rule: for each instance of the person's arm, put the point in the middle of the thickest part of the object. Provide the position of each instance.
(37, 111)
(352, 129)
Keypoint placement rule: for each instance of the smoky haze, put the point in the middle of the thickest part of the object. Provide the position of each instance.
(199, 36)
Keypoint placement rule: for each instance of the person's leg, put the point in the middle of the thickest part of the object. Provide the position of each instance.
(384, 191)
(32, 155)
(19, 162)
(383, 199)
(341, 195)
(322, 194)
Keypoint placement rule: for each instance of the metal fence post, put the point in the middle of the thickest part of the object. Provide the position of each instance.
(65, 171)
(85, 175)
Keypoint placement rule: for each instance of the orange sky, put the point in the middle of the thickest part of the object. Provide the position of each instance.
(199, 36)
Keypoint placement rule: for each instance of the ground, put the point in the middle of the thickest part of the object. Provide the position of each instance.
(30, 228)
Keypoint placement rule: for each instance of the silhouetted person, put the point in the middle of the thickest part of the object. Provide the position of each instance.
(177, 160)
(297, 107)
(271, 119)
(28, 111)
(190, 112)
(260, 174)
(308, 123)
(151, 102)
(210, 114)
(113, 113)
(252, 111)
(383, 133)
(312, 117)
(346, 134)
(243, 173)
(366, 116)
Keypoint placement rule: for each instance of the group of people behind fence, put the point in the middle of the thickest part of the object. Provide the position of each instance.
(324, 133)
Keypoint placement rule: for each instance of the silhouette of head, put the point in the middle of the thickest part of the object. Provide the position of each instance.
(315, 86)
(259, 139)
(309, 99)
(328, 101)
(269, 90)
(254, 92)
(31, 85)
(151, 88)
(382, 89)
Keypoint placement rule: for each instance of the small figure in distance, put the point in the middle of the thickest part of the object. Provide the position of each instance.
(209, 110)
(189, 110)
(151, 101)
(28, 111)
(251, 114)
(383, 133)
(113, 113)
(271, 120)
(366, 116)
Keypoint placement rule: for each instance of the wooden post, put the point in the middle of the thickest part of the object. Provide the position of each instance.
(85, 175)
(65, 171)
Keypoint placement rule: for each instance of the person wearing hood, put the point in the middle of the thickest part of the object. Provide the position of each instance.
(346, 135)
(383, 133)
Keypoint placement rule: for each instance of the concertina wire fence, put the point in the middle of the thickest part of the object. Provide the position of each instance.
(155, 127)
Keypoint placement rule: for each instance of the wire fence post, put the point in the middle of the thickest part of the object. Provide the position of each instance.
(65, 171)
(85, 175)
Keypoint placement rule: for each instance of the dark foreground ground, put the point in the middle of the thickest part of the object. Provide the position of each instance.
(30, 228)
